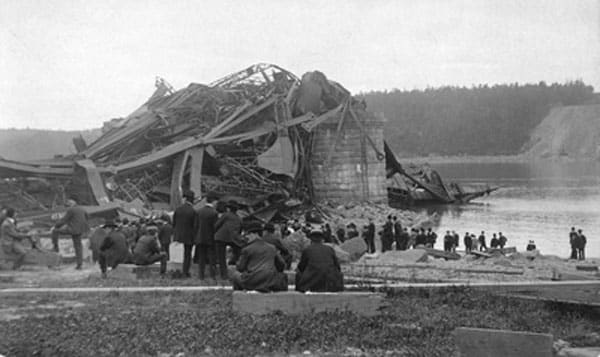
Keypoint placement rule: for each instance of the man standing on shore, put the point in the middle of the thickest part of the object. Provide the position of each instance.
(572, 240)
(468, 243)
(184, 224)
(580, 245)
(205, 237)
(75, 224)
(482, 245)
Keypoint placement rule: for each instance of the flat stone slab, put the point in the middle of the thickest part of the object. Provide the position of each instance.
(579, 352)
(478, 342)
(586, 267)
(355, 247)
(132, 271)
(296, 303)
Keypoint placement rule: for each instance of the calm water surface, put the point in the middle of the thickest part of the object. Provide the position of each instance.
(538, 201)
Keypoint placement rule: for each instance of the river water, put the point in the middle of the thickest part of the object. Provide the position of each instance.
(538, 201)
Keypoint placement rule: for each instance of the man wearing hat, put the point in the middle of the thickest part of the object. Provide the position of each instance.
(228, 229)
(260, 267)
(319, 269)
(75, 224)
(184, 225)
(206, 218)
(272, 237)
(147, 251)
(113, 248)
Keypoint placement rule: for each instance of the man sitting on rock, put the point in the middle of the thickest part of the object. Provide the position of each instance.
(147, 251)
(11, 239)
(113, 248)
(260, 267)
(271, 237)
(319, 269)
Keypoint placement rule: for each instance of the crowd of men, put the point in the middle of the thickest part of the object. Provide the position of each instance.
(257, 256)
(577, 240)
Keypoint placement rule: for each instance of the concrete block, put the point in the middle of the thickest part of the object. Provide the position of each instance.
(355, 247)
(579, 352)
(295, 303)
(587, 267)
(478, 342)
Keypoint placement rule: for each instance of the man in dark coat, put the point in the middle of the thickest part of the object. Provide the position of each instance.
(370, 236)
(11, 240)
(260, 267)
(113, 248)
(455, 241)
(572, 239)
(448, 241)
(468, 242)
(75, 224)
(580, 241)
(494, 243)
(482, 244)
(205, 237)
(165, 234)
(421, 238)
(501, 239)
(319, 269)
(228, 229)
(273, 238)
(387, 235)
(397, 232)
(431, 238)
(147, 251)
(184, 225)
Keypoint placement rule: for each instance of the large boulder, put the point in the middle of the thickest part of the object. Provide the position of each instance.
(355, 248)
(342, 255)
(296, 243)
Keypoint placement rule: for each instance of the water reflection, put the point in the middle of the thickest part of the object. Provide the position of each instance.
(539, 201)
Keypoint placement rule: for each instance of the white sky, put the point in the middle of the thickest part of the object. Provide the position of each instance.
(72, 64)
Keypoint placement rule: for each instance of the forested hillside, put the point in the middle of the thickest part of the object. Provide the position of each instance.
(475, 121)
(33, 144)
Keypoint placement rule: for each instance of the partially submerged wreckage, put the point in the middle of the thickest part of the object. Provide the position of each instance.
(261, 136)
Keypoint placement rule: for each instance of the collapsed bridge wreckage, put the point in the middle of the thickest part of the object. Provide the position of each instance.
(260, 136)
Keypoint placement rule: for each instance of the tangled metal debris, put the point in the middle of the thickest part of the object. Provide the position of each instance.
(245, 136)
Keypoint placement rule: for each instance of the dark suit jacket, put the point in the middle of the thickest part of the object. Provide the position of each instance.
(115, 249)
(145, 248)
(258, 267)
(76, 219)
(319, 270)
(184, 224)
(228, 228)
(205, 225)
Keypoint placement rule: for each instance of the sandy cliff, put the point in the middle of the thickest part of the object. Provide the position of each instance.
(572, 131)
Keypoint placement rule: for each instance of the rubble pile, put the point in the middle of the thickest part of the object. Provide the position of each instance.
(418, 264)
(246, 136)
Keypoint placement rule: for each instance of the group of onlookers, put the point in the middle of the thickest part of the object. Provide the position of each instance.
(258, 256)
(578, 241)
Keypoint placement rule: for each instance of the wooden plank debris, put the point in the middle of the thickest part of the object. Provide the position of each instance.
(478, 342)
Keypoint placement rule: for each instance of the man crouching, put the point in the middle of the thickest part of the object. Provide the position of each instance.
(260, 267)
(319, 269)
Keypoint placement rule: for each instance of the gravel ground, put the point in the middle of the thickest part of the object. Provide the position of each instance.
(417, 322)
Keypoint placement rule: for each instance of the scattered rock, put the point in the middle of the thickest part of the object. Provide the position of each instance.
(342, 255)
(355, 247)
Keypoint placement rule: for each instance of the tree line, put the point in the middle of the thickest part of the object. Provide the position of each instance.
(482, 120)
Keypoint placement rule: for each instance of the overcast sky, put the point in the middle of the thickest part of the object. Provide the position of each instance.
(70, 64)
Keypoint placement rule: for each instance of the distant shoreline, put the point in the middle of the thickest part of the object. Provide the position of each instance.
(487, 159)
